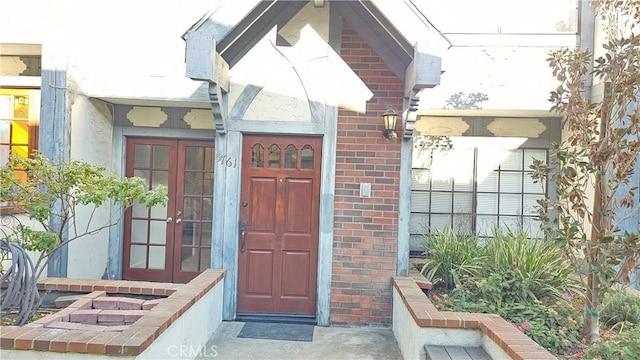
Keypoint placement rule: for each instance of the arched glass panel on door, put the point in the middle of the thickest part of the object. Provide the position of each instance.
(274, 156)
(290, 157)
(307, 157)
(257, 156)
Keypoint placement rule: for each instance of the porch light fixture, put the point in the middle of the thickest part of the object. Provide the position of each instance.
(390, 118)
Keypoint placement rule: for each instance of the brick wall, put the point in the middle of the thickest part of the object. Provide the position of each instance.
(365, 241)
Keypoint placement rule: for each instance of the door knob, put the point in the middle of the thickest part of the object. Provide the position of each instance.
(169, 220)
(178, 221)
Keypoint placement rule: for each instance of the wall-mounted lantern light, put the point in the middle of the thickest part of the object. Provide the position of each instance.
(390, 118)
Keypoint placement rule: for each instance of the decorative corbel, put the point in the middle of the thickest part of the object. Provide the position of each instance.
(423, 72)
(204, 63)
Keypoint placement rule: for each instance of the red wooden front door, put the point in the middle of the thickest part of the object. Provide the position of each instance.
(278, 254)
(172, 243)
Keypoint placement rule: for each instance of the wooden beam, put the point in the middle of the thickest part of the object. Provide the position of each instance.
(255, 26)
(422, 73)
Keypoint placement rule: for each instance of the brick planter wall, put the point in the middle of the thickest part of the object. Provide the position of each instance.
(146, 335)
(417, 322)
(365, 241)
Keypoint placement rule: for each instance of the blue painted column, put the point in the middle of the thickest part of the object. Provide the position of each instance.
(55, 131)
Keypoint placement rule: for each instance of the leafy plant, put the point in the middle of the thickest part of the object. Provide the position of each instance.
(507, 268)
(600, 152)
(528, 269)
(450, 256)
(554, 325)
(52, 193)
(620, 307)
(624, 346)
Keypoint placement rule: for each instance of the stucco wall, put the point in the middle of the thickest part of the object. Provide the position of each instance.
(91, 129)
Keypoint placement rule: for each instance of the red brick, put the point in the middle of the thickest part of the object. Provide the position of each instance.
(150, 304)
(61, 342)
(125, 303)
(89, 316)
(111, 316)
(106, 303)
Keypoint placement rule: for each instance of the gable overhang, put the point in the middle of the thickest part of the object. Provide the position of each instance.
(223, 37)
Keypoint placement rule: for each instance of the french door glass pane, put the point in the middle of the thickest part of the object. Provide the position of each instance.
(207, 208)
(209, 159)
(142, 156)
(158, 232)
(194, 158)
(139, 210)
(161, 157)
(206, 234)
(156, 257)
(139, 231)
(205, 258)
(193, 183)
(189, 260)
(138, 256)
(191, 208)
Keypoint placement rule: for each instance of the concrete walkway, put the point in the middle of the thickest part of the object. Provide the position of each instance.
(328, 343)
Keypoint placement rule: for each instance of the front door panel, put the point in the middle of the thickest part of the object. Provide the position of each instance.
(279, 219)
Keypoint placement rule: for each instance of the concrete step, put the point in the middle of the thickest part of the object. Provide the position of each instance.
(435, 352)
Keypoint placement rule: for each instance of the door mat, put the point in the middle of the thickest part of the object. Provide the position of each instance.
(277, 331)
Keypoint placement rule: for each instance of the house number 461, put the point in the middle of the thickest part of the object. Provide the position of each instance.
(227, 161)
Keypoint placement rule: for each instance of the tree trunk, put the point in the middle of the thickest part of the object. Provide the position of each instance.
(591, 328)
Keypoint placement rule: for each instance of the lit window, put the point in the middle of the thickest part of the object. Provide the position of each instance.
(19, 118)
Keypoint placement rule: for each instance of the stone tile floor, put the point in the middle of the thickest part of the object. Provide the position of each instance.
(338, 343)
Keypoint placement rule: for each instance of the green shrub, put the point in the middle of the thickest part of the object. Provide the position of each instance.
(523, 269)
(624, 346)
(621, 306)
(449, 256)
(555, 326)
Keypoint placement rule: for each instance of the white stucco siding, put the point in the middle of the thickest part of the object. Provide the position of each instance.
(91, 129)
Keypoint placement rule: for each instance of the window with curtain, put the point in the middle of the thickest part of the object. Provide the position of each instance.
(476, 185)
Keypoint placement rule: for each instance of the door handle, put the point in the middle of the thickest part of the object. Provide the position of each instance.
(178, 221)
(243, 233)
(169, 220)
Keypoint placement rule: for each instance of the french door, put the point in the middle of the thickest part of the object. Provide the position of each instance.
(170, 243)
